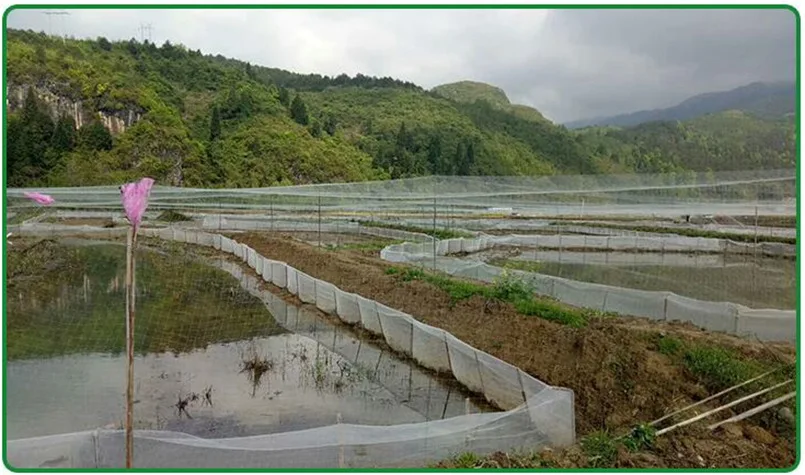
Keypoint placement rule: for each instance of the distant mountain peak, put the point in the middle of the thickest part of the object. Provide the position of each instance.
(471, 91)
(763, 99)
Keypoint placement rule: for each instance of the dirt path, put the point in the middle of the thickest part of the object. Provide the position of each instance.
(613, 364)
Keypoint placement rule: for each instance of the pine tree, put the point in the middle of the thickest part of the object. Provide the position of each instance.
(64, 138)
(215, 124)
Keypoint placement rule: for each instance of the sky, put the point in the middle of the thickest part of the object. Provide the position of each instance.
(569, 64)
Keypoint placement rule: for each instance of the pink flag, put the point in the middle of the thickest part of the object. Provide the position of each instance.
(43, 200)
(135, 200)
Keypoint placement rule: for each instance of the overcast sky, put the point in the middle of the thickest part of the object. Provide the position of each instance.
(569, 64)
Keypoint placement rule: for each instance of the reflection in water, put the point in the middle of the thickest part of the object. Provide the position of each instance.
(757, 282)
(290, 370)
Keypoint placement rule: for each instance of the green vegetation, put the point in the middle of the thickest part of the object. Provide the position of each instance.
(524, 460)
(183, 303)
(171, 216)
(600, 448)
(189, 119)
(437, 233)
(719, 368)
(669, 345)
(689, 232)
(505, 289)
(371, 246)
(730, 140)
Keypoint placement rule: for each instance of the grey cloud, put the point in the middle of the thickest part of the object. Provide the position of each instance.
(570, 64)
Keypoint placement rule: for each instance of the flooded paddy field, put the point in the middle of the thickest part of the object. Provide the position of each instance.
(215, 357)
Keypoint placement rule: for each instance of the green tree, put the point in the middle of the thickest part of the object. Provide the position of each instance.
(299, 111)
(28, 140)
(435, 162)
(284, 97)
(315, 128)
(215, 124)
(64, 135)
(41, 55)
(330, 124)
(104, 44)
(94, 136)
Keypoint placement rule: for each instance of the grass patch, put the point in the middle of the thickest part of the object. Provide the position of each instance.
(669, 345)
(466, 460)
(719, 368)
(516, 264)
(505, 289)
(372, 246)
(600, 448)
(498, 460)
(552, 312)
(437, 233)
(457, 289)
(171, 216)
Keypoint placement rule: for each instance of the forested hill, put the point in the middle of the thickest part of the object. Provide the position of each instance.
(90, 112)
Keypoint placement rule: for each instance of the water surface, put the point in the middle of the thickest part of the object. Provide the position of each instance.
(216, 355)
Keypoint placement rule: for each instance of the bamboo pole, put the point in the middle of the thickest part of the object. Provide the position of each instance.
(131, 242)
(754, 410)
(719, 409)
(341, 463)
(709, 398)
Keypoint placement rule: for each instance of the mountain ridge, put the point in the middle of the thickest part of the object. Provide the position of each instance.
(767, 100)
(95, 112)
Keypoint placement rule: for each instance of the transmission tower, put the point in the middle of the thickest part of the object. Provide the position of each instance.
(143, 28)
(50, 22)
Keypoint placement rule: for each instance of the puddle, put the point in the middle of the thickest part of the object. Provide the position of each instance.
(214, 366)
(756, 282)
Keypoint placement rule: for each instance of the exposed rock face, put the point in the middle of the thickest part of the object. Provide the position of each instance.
(115, 121)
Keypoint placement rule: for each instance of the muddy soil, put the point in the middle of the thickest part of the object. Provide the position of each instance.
(613, 365)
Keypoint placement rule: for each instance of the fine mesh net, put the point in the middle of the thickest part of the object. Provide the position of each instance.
(471, 218)
(524, 422)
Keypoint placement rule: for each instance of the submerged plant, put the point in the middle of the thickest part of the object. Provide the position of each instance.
(134, 197)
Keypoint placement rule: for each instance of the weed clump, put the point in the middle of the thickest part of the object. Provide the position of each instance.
(600, 448)
(669, 346)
